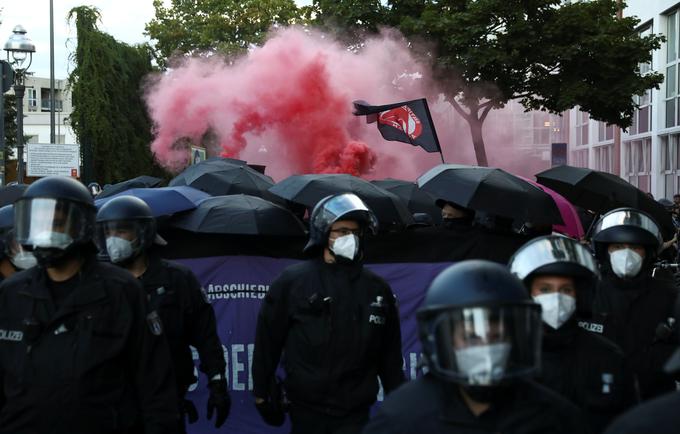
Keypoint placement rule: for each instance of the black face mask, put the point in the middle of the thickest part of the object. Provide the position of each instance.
(452, 223)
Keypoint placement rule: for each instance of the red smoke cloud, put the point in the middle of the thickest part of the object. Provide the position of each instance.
(288, 105)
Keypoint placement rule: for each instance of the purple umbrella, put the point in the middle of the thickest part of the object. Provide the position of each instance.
(572, 226)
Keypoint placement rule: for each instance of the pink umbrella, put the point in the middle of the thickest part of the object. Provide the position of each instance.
(572, 226)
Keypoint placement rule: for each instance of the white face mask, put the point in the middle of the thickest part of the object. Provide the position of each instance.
(23, 260)
(557, 308)
(51, 240)
(346, 246)
(118, 249)
(626, 263)
(483, 364)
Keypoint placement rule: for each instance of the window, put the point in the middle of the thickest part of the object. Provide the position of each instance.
(605, 132)
(671, 79)
(642, 118)
(670, 163)
(582, 120)
(32, 99)
(603, 158)
(579, 158)
(638, 163)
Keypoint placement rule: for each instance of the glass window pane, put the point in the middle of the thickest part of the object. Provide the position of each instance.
(584, 135)
(671, 50)
(670, 81)
(670, 113)
(643, 124)
(669, 186)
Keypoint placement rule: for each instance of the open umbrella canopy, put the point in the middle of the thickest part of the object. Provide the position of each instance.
(163, 201)
(224, 176)
(11, 193)
(138, 182)
(491, 190)
(239, 214)
(416, 199)
(602, 192)
(310, 189)
(572, 226)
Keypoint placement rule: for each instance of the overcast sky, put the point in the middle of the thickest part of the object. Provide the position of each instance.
(123, 19)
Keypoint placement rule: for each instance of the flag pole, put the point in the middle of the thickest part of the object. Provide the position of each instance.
(441, 154)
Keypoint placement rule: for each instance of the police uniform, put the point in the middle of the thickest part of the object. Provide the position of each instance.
(92, 362)
(632, 313)
(631, 308)
(188, 319)
(338, 327)
(427, 405)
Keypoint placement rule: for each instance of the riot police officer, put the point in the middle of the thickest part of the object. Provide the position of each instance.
(481, 337)
(631, 308)
(337, 324)
(588, 369)
(13, 257)
(659, 415)
(126, 231)
(78, 352)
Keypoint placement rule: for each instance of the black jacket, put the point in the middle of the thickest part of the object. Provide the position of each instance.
(95, 364)
(188, 319)
(427, 405)
(658, 416)
(589, 370)
(629, 313)
(338, 327)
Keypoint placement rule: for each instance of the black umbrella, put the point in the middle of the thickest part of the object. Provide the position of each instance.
(239, 214)
(491, 190)
(602, 192)
(309, 189)
(11, 193)
(225, 176)
(138, 182)
(416, 199)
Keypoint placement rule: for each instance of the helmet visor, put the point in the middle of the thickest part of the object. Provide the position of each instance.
(342, 206)
(487, 345)
(628, 217)
(548, 251)
(52, 223)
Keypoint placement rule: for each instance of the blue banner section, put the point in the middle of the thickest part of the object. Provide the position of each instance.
(236, 286)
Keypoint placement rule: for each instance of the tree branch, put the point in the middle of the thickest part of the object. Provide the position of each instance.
(459, 109)
(485, 112)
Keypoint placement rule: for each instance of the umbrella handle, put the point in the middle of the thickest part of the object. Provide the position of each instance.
(592, 226)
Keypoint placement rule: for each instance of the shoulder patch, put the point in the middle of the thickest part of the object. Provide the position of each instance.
(153, 320)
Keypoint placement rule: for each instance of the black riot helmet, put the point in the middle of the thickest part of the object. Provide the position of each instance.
(126, 227)
(345, 206)
(626, 225)
(557, 255)
(6, 228)
(479, 327)
(54, 218)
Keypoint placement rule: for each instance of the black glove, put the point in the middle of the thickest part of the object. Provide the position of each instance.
(218, 401)
(189, 410)
(272, 414)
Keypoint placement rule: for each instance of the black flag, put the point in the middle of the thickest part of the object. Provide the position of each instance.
(408, 122)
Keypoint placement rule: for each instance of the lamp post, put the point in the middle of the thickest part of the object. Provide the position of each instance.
(20, 51)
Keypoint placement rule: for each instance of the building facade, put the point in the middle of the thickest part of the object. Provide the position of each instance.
(37, 111)
(647, 154)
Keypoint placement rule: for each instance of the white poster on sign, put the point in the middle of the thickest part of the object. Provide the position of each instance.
(52, 160)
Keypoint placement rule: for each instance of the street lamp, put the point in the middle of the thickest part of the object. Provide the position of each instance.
(20, 51)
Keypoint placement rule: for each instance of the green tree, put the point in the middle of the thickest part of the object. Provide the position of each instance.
(109, 117)
(348, 20)
(225, 26)
(10, 114)
(548, 55)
